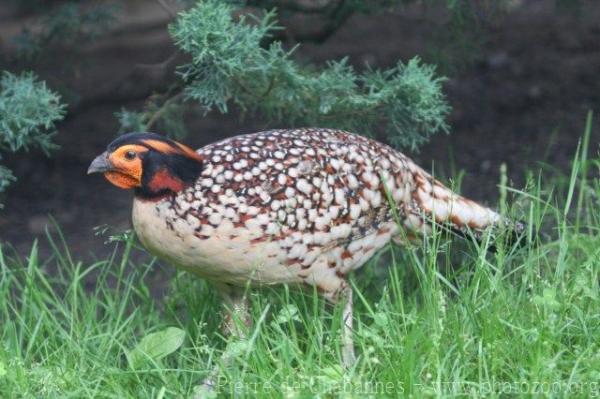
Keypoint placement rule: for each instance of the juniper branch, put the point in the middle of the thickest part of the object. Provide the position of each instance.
(28, 114)
(229, 65)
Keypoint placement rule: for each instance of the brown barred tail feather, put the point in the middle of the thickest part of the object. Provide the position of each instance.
(459, 215)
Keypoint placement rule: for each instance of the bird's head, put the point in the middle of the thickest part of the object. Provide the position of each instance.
(152, 165)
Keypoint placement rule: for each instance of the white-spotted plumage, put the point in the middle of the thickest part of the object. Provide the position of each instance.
(298, 206)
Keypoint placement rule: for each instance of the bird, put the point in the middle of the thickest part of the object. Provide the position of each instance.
(303, 207)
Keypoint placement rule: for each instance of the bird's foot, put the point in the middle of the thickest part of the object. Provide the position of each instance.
(348, 356)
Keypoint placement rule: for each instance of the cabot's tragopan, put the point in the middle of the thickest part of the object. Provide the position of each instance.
(301, 206)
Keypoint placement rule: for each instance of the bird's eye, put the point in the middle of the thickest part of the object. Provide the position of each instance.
(130, 155)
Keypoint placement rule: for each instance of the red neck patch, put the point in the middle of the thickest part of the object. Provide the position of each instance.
(162, 180)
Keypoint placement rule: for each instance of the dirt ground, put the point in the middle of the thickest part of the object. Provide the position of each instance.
(523, 102)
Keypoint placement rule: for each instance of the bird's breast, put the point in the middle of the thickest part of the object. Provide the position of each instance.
(228, 254)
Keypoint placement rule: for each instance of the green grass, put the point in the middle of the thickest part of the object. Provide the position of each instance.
(443, 320)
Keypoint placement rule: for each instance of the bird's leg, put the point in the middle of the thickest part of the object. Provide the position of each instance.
(237, 312)
(348, 357)
(236, 322)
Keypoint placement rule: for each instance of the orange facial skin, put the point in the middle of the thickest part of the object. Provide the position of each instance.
(127, 173)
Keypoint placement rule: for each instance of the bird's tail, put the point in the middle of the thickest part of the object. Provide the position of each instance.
(436, 204)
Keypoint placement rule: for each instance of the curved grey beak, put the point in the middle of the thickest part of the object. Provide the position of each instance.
(100, 164)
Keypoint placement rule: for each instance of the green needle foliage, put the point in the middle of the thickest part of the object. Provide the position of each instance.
(232, 62)
(231, 65)
(28, 113)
